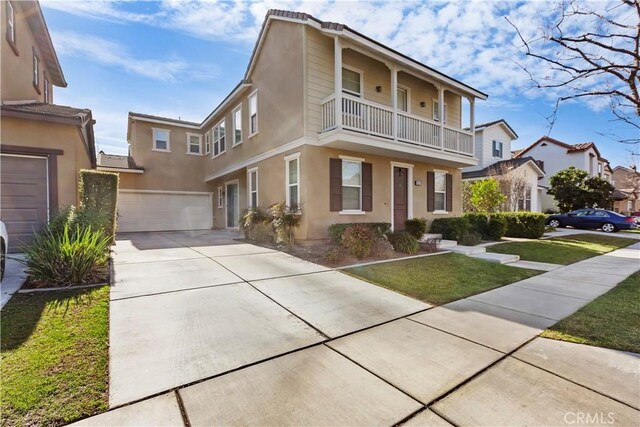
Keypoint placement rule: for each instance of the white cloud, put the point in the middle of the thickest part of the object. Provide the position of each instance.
(112, 54)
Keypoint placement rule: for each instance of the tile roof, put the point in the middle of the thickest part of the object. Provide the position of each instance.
(499, 168)
(516, 153)
(571, 148)
(165, 119)
(116, 161)
(51, 110)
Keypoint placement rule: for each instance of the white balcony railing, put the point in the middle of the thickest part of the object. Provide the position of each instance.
(374, 119)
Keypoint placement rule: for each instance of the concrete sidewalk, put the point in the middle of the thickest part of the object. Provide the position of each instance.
(308, 346)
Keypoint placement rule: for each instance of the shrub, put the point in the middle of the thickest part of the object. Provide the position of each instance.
(489, 229)
(334, 255)
(478, 223)
(262, 232)
(430, 244)
(78, 219)
(77, 256)
(283, 220)
(252, 218)
(358, 240)
(450, 228)
(99, 194)
(416, 227)
(470, 239)
(382, 247)
(404, 242)
(336, 230)
(528, 225)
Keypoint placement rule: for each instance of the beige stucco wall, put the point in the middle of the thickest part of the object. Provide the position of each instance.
(30, 133)
(17, 70)
(171, 171)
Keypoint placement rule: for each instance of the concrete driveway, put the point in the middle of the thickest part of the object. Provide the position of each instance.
(206, 330)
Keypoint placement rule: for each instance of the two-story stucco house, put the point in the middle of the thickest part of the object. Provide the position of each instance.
(554, 156)
(626, 180)
(42, 145)
(518, 177)
(326, 119)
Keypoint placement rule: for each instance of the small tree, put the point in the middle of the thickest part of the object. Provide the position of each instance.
(486, 196)
(573, 190)
(512, 184)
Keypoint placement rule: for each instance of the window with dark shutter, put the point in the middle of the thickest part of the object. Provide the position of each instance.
(367, 187)
(335, 185)
(449, 205)
(431, 193)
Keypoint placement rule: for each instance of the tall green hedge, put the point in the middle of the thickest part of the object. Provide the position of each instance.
(529, 225)
(99, 194)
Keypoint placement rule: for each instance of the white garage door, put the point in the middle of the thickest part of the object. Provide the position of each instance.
(140, 210)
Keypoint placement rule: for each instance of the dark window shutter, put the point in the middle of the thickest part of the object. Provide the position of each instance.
(367, 187)
(431, 192)
(449, 203)
(335, 185)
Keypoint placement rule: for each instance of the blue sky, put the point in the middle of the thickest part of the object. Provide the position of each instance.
(181, 58)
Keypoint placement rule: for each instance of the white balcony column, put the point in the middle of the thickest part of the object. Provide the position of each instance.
(472, 124)
(441, 114)
(337, 54)
(394, 101)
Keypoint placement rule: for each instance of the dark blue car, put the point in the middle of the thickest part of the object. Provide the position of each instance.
(608, 221)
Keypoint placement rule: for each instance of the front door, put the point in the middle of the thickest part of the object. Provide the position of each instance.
(232, 205)
(400, 197)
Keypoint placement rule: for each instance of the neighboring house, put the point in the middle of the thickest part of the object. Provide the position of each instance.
(518, 178)
(325, 119)
(43, 145)
(627, 194)
(553, 156)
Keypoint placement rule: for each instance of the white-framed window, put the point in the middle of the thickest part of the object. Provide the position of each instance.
(161, 140)
(194, 144)
(403, 99)
(252, 188)
(496, 148)
(219, 139)
(351, 185)
(11, 23)
(253, 113)
(440, 191)
(46, 90)
(351, 81)
(436, 111)
(36, 70)
(237, 125)
(524, 203)
(292, 176)
(220, 197)
(600, 169)
(207, 142)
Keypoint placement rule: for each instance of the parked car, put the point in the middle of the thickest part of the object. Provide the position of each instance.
(4, 244)
(608, 221)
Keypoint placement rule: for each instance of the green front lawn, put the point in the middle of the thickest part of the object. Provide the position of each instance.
(610, 320)
(54, 356)
(563, 250)
(442, 278)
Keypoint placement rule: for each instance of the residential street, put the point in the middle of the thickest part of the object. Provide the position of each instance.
(236, 334)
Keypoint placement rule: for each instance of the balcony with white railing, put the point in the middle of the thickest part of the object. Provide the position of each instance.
(369, 118)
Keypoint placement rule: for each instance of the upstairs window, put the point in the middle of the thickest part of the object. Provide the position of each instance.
(207, 142)
(46, 90)
(351, 82)
(496, 149)
(237, 126)
(36, 71)
(161, 140)
(194, 144)
(253, 113)
(219, 139)
(436, 111)
(403, 99)
(11, 24)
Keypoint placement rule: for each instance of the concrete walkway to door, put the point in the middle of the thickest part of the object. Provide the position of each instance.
(209, 331)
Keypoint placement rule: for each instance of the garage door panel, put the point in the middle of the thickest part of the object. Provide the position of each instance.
(160, 211)
(24, 197)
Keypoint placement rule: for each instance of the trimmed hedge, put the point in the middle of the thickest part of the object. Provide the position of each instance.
(529, 225)
(453, 228)
(416, 227)
(99, 194)
(337, 230)
(493, 229)
(404, 242)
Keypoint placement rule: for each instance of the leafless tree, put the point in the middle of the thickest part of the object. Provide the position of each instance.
(587, 50)
(512, 184)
